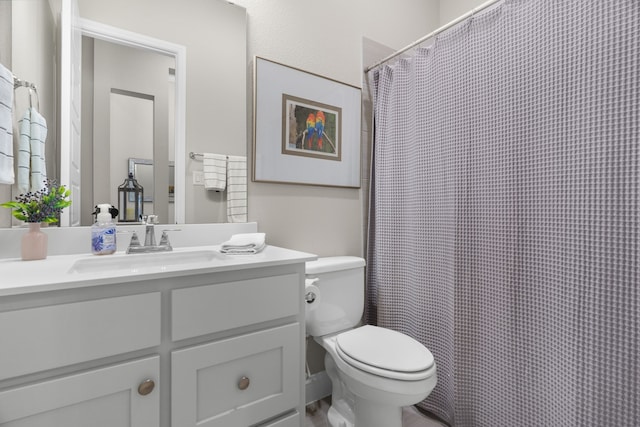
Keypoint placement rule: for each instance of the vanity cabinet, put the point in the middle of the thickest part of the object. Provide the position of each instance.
(51, 338)
(115, 396)
(249, 377)
(238, 381)
(217, 348)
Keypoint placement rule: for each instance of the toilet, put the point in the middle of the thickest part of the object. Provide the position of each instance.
(374, 371)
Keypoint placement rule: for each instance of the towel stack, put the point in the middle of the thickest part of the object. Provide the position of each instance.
(244, 244)
(6, 126)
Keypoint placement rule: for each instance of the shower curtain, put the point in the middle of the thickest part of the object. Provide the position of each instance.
(504, 219)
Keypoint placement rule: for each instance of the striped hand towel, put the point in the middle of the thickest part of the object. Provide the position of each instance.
(215, 171)
(6, 126)
(32, 168)
(237, 189)
(37, 138)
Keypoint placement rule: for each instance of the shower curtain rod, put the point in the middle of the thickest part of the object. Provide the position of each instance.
(433, 33)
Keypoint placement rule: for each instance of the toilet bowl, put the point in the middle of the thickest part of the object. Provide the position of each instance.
(374, 371)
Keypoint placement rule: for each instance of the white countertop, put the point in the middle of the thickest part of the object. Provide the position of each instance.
(57, 272)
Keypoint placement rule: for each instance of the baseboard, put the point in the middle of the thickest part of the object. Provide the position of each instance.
(318, 386)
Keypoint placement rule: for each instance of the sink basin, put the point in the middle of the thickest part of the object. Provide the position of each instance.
(144, 262)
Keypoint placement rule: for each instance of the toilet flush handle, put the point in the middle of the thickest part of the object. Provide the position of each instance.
(310, 295)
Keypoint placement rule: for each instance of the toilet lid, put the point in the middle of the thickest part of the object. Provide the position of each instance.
(385, 352)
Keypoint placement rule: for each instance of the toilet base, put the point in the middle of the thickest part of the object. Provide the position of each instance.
(349, 410)
(367, 414)
(373, 414)
(336, 419)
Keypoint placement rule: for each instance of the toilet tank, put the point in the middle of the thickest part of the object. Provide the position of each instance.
(339, 301)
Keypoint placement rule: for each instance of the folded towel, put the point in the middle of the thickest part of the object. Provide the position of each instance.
(237, 189)
(215, 171)
(244, 243)
(6, 126)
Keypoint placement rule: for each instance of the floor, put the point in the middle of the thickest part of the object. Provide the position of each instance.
(410, 417)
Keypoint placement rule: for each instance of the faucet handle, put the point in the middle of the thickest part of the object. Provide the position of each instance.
(164, 239)
(135, 241)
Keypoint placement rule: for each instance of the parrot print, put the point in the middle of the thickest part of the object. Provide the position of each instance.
(311, 126)
(319, 127)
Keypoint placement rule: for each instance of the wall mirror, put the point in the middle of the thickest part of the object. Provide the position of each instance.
(213, 34)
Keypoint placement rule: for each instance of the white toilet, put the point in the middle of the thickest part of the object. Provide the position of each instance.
(374, 371)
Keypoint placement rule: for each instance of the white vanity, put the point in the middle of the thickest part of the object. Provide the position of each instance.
(215, 341)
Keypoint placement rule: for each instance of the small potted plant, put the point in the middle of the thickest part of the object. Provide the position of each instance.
(43, 206)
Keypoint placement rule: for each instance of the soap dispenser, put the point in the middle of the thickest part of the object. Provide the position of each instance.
(103, 231)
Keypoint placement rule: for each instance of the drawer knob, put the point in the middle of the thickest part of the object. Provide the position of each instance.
(243, 384)
(146, 387)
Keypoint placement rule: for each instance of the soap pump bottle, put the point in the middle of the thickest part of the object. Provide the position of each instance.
(103, 231)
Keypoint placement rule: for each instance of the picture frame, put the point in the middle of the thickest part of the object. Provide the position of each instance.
(306, 127)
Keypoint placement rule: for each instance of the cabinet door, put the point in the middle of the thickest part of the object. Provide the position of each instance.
(106, 397)
(239, 381)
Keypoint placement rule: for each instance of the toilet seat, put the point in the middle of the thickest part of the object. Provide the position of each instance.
(385, 353)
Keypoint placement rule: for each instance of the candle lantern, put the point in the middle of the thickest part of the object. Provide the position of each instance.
(130, 197)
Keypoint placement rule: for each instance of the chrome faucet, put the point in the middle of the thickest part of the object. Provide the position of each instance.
(150, 239)
(149, 231)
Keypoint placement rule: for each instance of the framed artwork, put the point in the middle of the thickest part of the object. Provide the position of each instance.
(306, 128)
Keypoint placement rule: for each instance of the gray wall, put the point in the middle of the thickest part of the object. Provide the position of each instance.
(451, 9)
(323, 220)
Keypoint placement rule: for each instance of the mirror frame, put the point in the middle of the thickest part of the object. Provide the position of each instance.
(116, 35)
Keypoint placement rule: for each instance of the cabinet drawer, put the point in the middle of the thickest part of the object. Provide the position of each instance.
(106, 397)
(38, 339)
(213, 308)
(238, 381)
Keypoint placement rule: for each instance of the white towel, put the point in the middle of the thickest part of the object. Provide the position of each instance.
(38, 137)
(32, 167)
(244, 243)
(237, 189)
(6, 126)
(215, 171)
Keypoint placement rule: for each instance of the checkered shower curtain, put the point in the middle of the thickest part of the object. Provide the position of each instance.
(504, 220)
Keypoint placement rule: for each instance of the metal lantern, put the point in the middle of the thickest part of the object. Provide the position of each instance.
(130, 197)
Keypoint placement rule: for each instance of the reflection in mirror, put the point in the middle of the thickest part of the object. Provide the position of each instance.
(142, 171)
(128, 112)
(213, 33)
(28, 48)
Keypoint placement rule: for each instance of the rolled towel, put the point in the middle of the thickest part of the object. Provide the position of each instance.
(244, 243)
